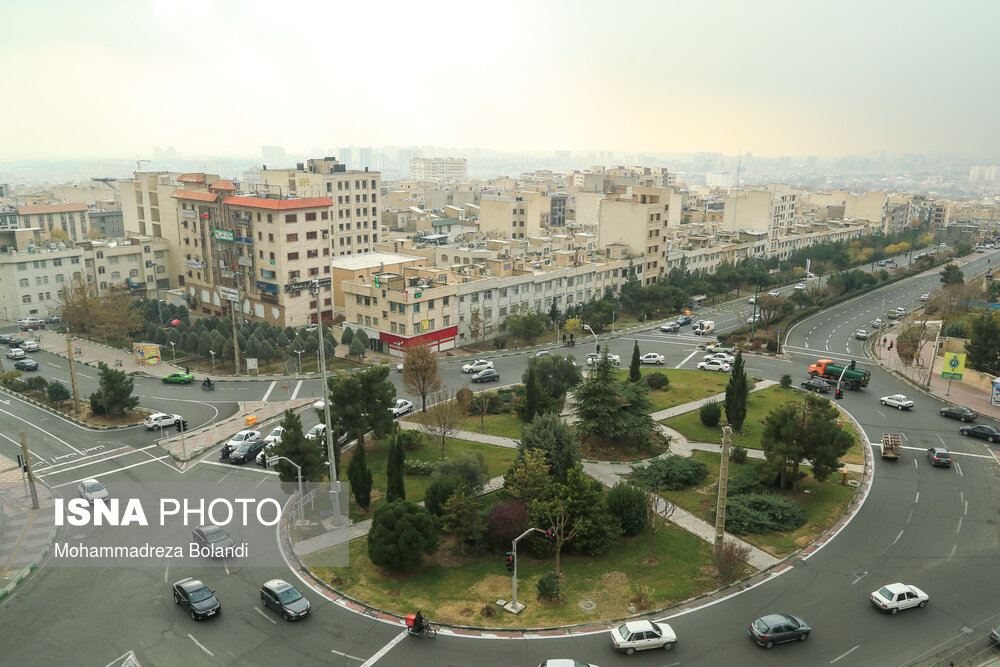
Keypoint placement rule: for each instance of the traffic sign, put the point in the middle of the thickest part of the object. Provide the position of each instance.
(954, 364)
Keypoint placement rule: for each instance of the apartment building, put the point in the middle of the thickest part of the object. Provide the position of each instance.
(148, 209)
(71, 219)
(441, 168)
(506, 217)
(138, 264)
(354, 225)
(638, 222)
(109, 224)
(32, 271)
(772, 210)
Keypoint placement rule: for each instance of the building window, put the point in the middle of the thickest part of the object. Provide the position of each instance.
(293, 256)
(291, 238)
(291, 217)
(416, 307)
(310, 217)
(311, 235)
(26, 298)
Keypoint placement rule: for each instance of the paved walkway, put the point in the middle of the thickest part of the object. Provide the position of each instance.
(25, 533)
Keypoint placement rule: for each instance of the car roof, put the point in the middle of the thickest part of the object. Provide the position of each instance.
(277, 585)
(775, 619)
(91, 481)
(639, 626)
(939, 449)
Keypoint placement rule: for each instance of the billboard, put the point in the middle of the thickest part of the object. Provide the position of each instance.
(146, 354)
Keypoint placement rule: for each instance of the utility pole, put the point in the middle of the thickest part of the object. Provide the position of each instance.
(336, 517)
(720, 505)
(72, 372)
(756, 292)
(878, 331)
(31, 477)
(236, 325)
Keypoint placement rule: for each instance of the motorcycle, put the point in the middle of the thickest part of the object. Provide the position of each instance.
(226, 451)
(207, 387)
(426, 631)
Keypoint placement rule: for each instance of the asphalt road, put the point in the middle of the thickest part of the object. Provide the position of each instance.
(935, 528)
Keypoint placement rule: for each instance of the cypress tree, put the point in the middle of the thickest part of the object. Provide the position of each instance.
(360, 478)
(395, 489)
(634, 374)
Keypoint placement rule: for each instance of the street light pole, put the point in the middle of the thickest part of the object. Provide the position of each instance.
(299, 352)
(597, 343)
(236, 325)
(156, 286)
(173, 351)
(271, 460)
(336, 517)
(212, 352)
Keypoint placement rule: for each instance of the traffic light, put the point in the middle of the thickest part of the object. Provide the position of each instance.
(839, 394)
(510, 561)
(550, 535)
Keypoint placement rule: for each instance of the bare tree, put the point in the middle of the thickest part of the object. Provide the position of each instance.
(420, 373)
(658, 513)
(442, 420)
(115, 316)
(564, 520)
(77, 305)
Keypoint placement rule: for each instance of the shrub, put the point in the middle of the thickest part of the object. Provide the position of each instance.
(627, 504)
(440, 490)
(786, 381)
(401, 534)
(8, 378)
(464, 397)
(495, 405)
(772, 346)
(506, 521)
(548, 587)
(730, 559)
(763, 513)
(642, 597)
(20, 386)
(710, 413)
(746, 480)
(411, 439)
(36, 383)
(670, 473)
(738, 454)
(470, 468)
(658, 381)
(418, 468)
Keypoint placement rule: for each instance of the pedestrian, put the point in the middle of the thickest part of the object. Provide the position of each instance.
(884, 341)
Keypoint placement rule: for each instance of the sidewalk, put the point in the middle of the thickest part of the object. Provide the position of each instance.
(25, 533)
(90, 353)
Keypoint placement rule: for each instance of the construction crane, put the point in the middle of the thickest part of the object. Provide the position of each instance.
(139, 163)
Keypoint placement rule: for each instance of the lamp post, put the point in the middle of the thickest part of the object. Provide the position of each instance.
(212, 352)
(271, 460)
(597, 344)
(299, 352)
(173, 351)
(336, 517)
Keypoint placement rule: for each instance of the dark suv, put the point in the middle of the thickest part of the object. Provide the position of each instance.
(198, 599)
(939, 456)
(285, 599)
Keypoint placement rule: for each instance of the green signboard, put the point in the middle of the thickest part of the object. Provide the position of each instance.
(223, 234)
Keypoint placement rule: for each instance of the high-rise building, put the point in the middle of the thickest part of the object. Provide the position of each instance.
(442, 168)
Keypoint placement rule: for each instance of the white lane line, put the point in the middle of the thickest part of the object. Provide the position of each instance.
(111, 472)
(53, 470)
(844, 655)
(953, 548)
(18, 445)
(83, 375)
(904, 436)
(959, 526)
(295, 394)
(959, 469)
(884, 416)
(907, 523)
(942, 442)
(917, 498)
(897, 538)
(348, 655)
(385, 649)
(166, 573)
(257, 609)
(270, 388)
(966, 510)
(686, 359)
(43, 431)
(201, 646)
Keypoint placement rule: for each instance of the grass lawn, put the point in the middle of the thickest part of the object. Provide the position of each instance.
(498, 461)
(685, 386)
(823, 502)
(759, 404)
(456, 588)
(506, 425)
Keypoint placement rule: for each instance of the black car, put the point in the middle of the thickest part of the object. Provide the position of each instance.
(15, 342)
(285, 599)
(958, 412)
(683, 319)
(198, 599)
(487, 375)
(981, 431)
(5, 339)
(247, 451)
(818, 385)
(777, 628)
(214, 538)
(26, 365)
(939, 456)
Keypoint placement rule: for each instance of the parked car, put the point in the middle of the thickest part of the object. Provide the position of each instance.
(266, 452)
(959, 412)
(158, 420)
(683, 320)
(670, 327)
(897, 401)
(30, 346)
(241, 437)
(5, 339)
(15, 353)
(312, 327)
(994, 636)
(26, 365)
(285, 599)
(178, 377)
(981, 431)
(477, 365)
(642, 635)
(54, 319)
(401, 407)
(861, 334)
(819, 385)
(198, 599)
(752, 300)
(774, 292)
(213, 537)
(881, 262)
(723, 356)
(275, 434)
(30, 323)
(593, 356)
(714, 365)
(652, 358)
(939, 456)
(317, 432)
(876, 323)
(721, 347)
(894, 597)
(16, 342)
(91, 490)
(488, 375)
(565, 662)
(778, 628)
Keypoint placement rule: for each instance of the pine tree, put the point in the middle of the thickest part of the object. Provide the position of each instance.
(736, 394)
(634, 374)
(360, 478)
(395, 488)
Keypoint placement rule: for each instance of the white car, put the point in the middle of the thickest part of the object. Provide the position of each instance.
(752, 300)
(877, 322)
(477, 365)
(317, 432)
(274, 435)
(243, 436)
(900, 310)
(319, 405)
(670, 327)
(861, 334)
(897, 401)
(91, 490)
(593, 356)
(721, 356)
(774, 292)
(799, 286)
(925, 297)
(714, 365)
(565, 662)
(268, 451)
(893, 597)
(401, 407)
(652, 358)
(158, 420)
(754, 318)
(15, 353)
(641, 635)
(30, 346)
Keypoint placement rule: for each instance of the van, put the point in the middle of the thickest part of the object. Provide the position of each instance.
(705, 327)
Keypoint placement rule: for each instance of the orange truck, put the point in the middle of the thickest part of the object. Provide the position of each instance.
(828, 370)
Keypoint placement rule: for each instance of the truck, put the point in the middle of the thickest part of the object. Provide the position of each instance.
(892, 445)
(828, 370)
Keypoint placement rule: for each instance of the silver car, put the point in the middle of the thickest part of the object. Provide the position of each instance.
(778, 628)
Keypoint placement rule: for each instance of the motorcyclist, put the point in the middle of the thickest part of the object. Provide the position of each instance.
(418, 623)
(207, 384)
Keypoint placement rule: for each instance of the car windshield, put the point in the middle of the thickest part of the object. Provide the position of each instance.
(244, 447)
(239, 437)
(623, 631)
(92, 487)
(200, 594)
(288, 596)
(276, 433)
(215, 534)
(760, 625)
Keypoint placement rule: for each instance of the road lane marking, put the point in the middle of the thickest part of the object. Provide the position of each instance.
(295, 394)
(959, 526)
(385, 649)
(166, 573)
(201, 646)
(52, 470)
(959, 469)
(953, 548)
(270, 388)
(43, 431)
(347, 655)
(111, 472)
(844, 655)
(884, 416)
(908, 518)
(966, 510)
(687, 358)
(257, 609)
(917, 498)
(897, 538)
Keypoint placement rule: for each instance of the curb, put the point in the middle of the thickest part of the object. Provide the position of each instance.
(49, 408)
(31, 567)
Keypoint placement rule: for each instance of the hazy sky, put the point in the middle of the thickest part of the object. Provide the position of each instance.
(101, 78)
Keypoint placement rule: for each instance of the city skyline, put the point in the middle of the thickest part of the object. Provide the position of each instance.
(225, 78)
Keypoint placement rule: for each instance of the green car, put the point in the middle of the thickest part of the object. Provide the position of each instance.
(179, 378)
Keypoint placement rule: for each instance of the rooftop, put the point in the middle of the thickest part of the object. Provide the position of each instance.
(279, 204)
(51, 208)
(371, 260)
